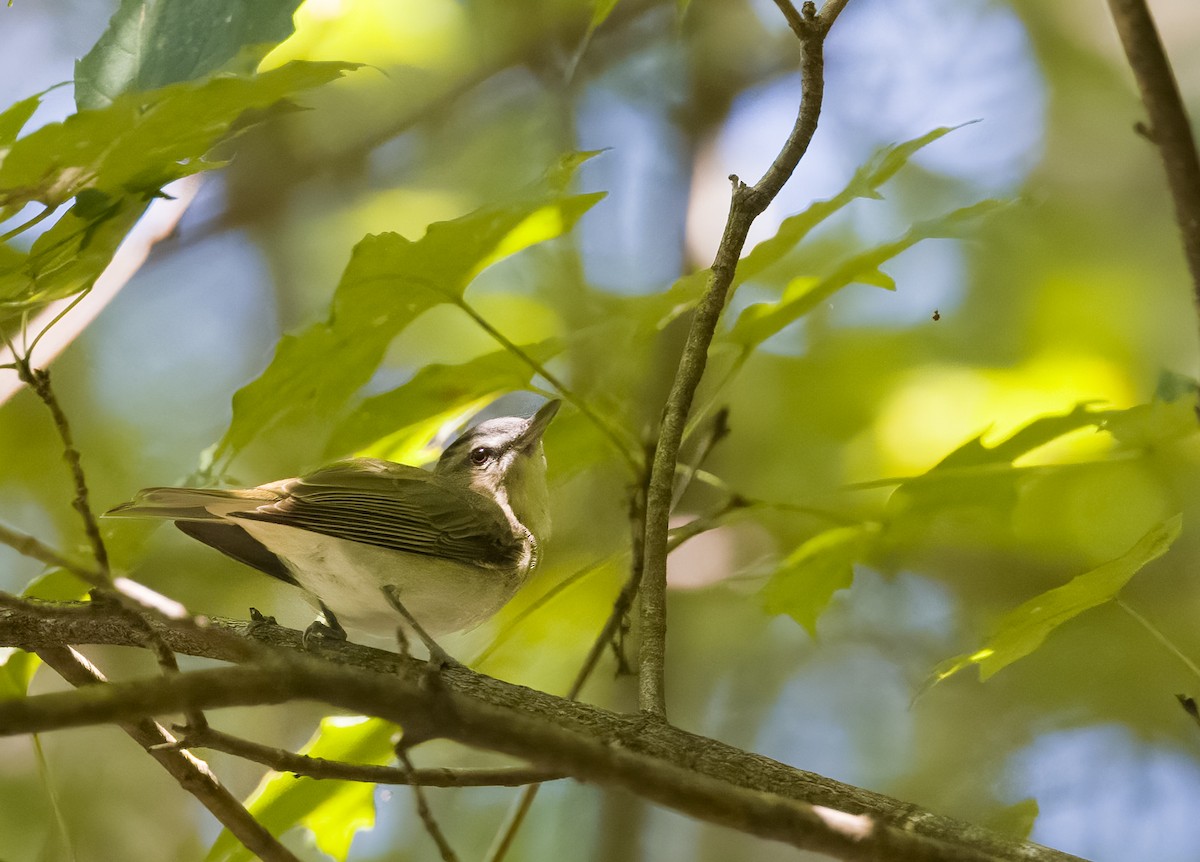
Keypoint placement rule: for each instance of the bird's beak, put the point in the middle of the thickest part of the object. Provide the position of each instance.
(532, 434)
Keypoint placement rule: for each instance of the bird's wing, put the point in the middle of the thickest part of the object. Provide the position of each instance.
(397, 507)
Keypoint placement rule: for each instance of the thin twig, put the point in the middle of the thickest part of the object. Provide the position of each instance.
(28, 546)
(193, 774)
(38, 379)
(424, 811)
(1169, 126)
(282, 760)
(747, 204)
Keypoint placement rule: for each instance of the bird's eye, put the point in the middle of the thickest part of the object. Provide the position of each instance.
(480, 455)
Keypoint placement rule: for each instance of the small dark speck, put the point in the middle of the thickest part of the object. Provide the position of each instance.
(937, 315)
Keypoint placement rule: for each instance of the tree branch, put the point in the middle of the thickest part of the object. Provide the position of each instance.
(1169, 126)
(747, 204)
(192, 773)
(282, 760)
(698, 776)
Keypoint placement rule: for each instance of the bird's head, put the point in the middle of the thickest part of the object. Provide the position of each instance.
(503, 459)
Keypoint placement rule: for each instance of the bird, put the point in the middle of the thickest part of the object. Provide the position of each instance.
(374, 542)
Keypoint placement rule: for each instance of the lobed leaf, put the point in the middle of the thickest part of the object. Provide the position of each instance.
(152, 43)
(762, 320)
(881, 167)
(804, 584)
(142, 141)
(436, 390)
(1024, 629)
(388, 283)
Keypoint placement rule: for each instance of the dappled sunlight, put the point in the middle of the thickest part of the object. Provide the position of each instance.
(938, 408)
(424, 33)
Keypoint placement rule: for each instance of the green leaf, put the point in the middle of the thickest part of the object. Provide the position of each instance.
(69, 257)
(388, 283)
(683, 295)
(975, 474)
(804, 584)
(113, 161)
(142, 141)
(436, 390)
(15, 117)
(152, 43)
(1023, 629)
(865, 183)
(760, 321)
(332, 810)
(603, 10)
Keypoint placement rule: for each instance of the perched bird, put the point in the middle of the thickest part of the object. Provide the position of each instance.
(370, 540)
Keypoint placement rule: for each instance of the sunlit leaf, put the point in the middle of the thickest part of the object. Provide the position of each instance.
(804, 584)
(144, 140)
(434, 390)
(70, 256)
(977, 474)
(333, 810)
(152, 43)
(388, 283)
(760, 321)
(1023, 629)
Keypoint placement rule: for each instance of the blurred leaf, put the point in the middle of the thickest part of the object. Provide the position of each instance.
(69, 257)
(1023, 629)
(434, 390)
(333, 810)
(603, 10)
(388, 283)
(865, 183)
(1147, 425)
(17, 668)
(762, 320)
(1172, 386)
(15, 117)
(1016, 820)
(804, 584)
(976, 474)
(142, 141)
(152, 43)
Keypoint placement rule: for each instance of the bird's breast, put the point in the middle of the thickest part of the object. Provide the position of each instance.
(444, 596)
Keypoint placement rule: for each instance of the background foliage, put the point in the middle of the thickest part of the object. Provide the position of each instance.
(897, 511)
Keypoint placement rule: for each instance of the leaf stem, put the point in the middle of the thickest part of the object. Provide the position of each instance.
(620, 445)
(1159, 636)
(26, 225)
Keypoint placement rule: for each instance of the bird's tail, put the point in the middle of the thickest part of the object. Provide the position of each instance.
(190, 504)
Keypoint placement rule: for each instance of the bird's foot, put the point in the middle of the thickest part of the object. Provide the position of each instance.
(324, 628)
(259, 621)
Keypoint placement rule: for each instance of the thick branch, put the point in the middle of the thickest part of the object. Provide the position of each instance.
(747, 204)
(1169, 127)
(698, 776)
